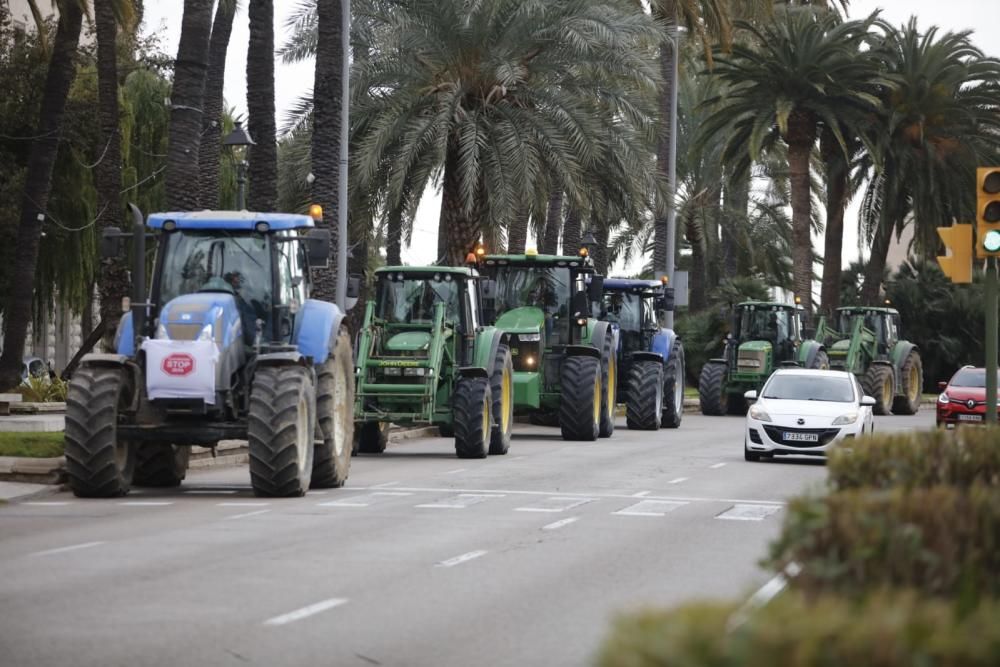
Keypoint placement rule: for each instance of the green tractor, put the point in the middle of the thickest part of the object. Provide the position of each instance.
(425, 356)
(764, 336)
(866, 342)
(565, 366)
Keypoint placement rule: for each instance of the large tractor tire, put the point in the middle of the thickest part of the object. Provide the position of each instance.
(446, 430)
(821, 361)
(912, 377)
(98, 463)
(473, 423)
(373, 437)
(580, 405)
(673, 388)
(543, 418)
(644, 407)
(280, 431)
(502, 392)
(712, 389)
(334, 417)
(609, 387)
(161, 465)
(880, 384)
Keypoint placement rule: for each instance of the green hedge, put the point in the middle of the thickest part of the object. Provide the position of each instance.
(899, 630)
(941, 541)
(962, 457)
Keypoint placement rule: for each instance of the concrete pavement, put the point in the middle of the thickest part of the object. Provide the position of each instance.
(424, 559)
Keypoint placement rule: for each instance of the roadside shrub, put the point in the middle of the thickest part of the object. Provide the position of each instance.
(941, 541)
(962, 457)
(43, 390)
(897, 630)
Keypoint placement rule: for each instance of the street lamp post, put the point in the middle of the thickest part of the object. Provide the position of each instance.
(239, 141)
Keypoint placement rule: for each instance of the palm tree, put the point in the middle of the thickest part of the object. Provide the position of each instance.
(211, 133)
(37, 187)
(803, 72)
(260, 107)
(186, 99)
(941, 119)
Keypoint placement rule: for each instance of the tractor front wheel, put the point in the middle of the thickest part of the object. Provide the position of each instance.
(502, 391)
(373, 437)
(673, 388)
(912, 376)
(821, 361)
(712, 389)
(580, 405)
(880, 384)
(334, 417)
(472, 421)
(644, 406)
(161, 465)
(609, 387)
(280, 431)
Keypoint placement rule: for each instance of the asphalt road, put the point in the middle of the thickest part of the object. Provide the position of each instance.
(423, 559)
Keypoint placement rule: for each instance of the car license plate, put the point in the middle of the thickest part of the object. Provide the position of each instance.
(970, 418)
(800, 437)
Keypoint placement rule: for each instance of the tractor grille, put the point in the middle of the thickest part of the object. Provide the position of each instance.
(777, 434)
(751, 361)
(524, 355)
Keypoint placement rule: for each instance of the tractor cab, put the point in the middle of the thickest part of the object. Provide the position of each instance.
(882, 325)
(634, 308)
(766, 332)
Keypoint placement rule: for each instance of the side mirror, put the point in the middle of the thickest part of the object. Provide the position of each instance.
(353, 286)
(868, 401)
(111, 243)
(668, 301)
(489, 289)
(750, 395)
(580, 305)
(942, 385)
(318, 248)
(595, 290)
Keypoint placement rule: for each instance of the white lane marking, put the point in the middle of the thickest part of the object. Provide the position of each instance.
(242, 504)
(210, 492)
(650, 508)
(554, 504)
(147, 503)
(47, 503)
(457, 560)
(461, 501)
(598, 495)
(747, 512)
(246, 514)
(517, 458)
(716, 465)
(75, 547)
(456, 471)
(384, 485)
(316, 493)
(678, 480)
(640, 494)
(306, 612)
(364, 500)
(556, 525)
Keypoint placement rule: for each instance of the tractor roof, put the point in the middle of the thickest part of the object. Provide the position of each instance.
(768, 304)
(230, 220)
(868, 309)
(535, 259)
(631, 285)
(430, 270)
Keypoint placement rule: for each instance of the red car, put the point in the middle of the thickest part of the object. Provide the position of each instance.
(963, 399)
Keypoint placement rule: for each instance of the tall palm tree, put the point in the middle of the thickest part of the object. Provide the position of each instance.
(186, 99)
(263, 172)
(37, 187)
(211, 133)
(941, 119)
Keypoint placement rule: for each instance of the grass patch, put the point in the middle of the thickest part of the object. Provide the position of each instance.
(32, 445)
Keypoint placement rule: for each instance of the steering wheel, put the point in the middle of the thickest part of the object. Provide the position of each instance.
(217, 284)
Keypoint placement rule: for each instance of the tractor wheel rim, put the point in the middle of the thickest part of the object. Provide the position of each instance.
(486, 417)
(121, 453)
(886, 390)
(597, 400)
(303, 433)
(339, 429)
(678, 395)
(612, 385)
(914, 388)
(506, 404)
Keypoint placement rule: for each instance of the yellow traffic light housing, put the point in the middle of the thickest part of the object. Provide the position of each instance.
(957, 263)
(988, 212)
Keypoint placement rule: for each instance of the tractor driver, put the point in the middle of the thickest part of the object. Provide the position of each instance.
(248, 314)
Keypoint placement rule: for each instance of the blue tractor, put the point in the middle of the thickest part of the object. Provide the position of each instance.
(226, 344)
(650, 357)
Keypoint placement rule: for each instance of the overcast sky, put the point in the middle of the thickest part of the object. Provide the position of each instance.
(292, 81)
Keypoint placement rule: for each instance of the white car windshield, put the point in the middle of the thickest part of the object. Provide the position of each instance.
(809, 388)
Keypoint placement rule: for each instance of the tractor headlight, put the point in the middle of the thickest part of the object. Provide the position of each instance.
(529, 337)
(207, 333)
(411, 372)
(844, 420)
(392, 371)
(759, 413)
(529, 361)
(748, 363)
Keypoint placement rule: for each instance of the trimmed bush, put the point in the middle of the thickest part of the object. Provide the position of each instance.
(962, 457)
(898, 630)
(941, 541)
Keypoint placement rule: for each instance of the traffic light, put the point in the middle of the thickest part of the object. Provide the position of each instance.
(957, 264)
(988, 212)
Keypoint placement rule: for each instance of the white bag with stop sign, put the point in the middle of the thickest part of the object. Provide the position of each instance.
(181, 369)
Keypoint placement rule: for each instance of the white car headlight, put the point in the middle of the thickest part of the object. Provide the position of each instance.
(759, 413)
(943, 398)
(843, 420)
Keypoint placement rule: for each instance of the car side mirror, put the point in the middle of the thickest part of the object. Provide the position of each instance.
(868, 401)
(489, 288)
(580, 306)
(942, 385)
(595, 290)
(318, 248)
(750, 395)
(353, 286)
(111, 243)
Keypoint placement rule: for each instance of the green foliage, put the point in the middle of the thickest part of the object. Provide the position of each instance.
(963, 457)
(32, 445)
(43, 390)
(897, 630)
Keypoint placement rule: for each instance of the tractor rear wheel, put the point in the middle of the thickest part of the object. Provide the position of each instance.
(334, 417)
(673, 388)
(609, 386)
(161, 465)
(473, 423)
(502, 391)
(880, 384)
(373, 437)
(280, 431)
(446, 430)
(580, 404)
(821, 361)
(712, 389)
(912, 376)
(98, 463)
(644, 406)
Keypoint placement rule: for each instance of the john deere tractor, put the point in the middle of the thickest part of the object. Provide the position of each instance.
(426, 357)
(650, 357)
(226, 344)
(763, 337)
(865, 340)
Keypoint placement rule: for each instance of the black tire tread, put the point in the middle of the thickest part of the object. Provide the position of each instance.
(576, 408)
(330, 471)
(373, 437)
(645, 392)
(160, 465)
(472, 396)
(271, 431)
(502, 363)
(873, 382)
(608, 357)
(901, 404)
(674, 372)
(711, 389)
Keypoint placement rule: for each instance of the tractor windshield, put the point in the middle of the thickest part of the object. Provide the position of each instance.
(626, 309)
(545, 287)
(765, 323)
(411, 299)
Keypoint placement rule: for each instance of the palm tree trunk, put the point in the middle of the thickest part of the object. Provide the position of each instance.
(517, 235)
(457, 231)
(571, 232)
(394, 236)
(601, 255)
(833, 247)
(798, 172)
(263, 172)
(186, 99)
(737, 196)
(37, 186)
(697, 275)
(211, 134)
(666, 12)
(326, 133)
(113, 283)
(875, 268)
(713, 253)
(553, 223)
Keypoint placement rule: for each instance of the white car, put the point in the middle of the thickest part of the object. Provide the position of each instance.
(802, 411)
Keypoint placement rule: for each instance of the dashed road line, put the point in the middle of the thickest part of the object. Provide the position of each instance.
(306, 612)
(365, 500)
(595, 496)
(650, 508)
(384, 485)
(248, 514)
(678, 480)
(461, 501)
(640, 494)
(747, 512)
(455, 471)
(556, 525)
(47, 503)
(146, 503)
(242, 504)
(717, 465)
(60, 550)
(464, 558)
(554, 504)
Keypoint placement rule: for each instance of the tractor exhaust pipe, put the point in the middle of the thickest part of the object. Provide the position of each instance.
(138, 273)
